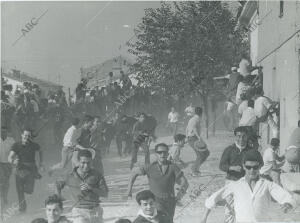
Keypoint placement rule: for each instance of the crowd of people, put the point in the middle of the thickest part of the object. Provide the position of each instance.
(98, 116)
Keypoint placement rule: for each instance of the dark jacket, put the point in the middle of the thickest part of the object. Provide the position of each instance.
(232, 156)
(160, 218)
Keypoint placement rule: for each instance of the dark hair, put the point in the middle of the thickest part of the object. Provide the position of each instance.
(179, 137)
(241, 129)
(84, 153)
(251, 103)
(54, 199)
(39, 220)
(198, 111)
(75, 121)
(123, 220)
(88, 118)
(253, 155)
(111, 74)
(275, 142)
(144, 195)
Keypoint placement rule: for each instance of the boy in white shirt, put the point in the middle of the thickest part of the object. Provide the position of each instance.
(270, 169)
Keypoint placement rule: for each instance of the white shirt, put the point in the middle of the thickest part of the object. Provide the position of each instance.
(243, 106)
(248, 117)
(173, 117)
(251, 206)
(71, 136)
(244, 67)
(241, 88)
(269, 158)
(261, 106)
(193, 123)
(5, 149)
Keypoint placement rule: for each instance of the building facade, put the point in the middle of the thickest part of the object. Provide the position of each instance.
(274, 32)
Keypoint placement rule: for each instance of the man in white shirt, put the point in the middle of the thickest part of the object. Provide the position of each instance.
(252, 194)
(173, 120)
(5, 166)
(271, 167)
(242, 88)
(190, 110)
(193, 132)
(261, 104)
(244, 66)
(69, 144)
(248, 116)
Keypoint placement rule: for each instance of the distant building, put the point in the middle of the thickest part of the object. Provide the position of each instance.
(98, 74)
(274, 32)
(16, 79)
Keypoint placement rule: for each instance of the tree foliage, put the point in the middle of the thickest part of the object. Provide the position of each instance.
(182, 45)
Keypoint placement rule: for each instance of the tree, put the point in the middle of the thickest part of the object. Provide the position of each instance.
(183, 45)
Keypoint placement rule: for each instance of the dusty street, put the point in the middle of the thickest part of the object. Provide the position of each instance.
(117, 175)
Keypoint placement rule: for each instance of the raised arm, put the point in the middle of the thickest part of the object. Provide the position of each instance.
(135, 173)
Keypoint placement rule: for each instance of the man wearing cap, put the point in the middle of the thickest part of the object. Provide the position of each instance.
(162, 176)
(252, 194)
(270, 170)
(5, 166)
(231, 163)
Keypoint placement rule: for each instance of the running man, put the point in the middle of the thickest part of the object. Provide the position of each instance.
(22, 155)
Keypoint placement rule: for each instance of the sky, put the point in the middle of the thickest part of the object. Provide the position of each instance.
(68, 36)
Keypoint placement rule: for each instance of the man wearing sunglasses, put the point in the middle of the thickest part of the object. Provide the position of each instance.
(252, 194)
(162, 176)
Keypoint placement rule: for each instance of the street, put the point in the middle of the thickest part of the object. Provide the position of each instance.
(117, 176)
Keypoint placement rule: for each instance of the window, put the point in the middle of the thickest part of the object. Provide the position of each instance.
(281, 9)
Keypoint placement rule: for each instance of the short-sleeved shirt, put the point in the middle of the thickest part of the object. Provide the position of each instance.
(261, 106)
(243, 106)
(162, 184)
(248, 117)
(194, 122)
(25, 153)
(269, 158)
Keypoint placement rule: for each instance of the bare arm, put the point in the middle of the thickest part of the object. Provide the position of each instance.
(205, 215)
(135, 174)
(182, 181)
(12, 158)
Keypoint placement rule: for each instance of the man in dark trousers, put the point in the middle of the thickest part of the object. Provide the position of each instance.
(22, 155)
(123, 127)
(231, 163)
(143, 132)
(162, 176)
